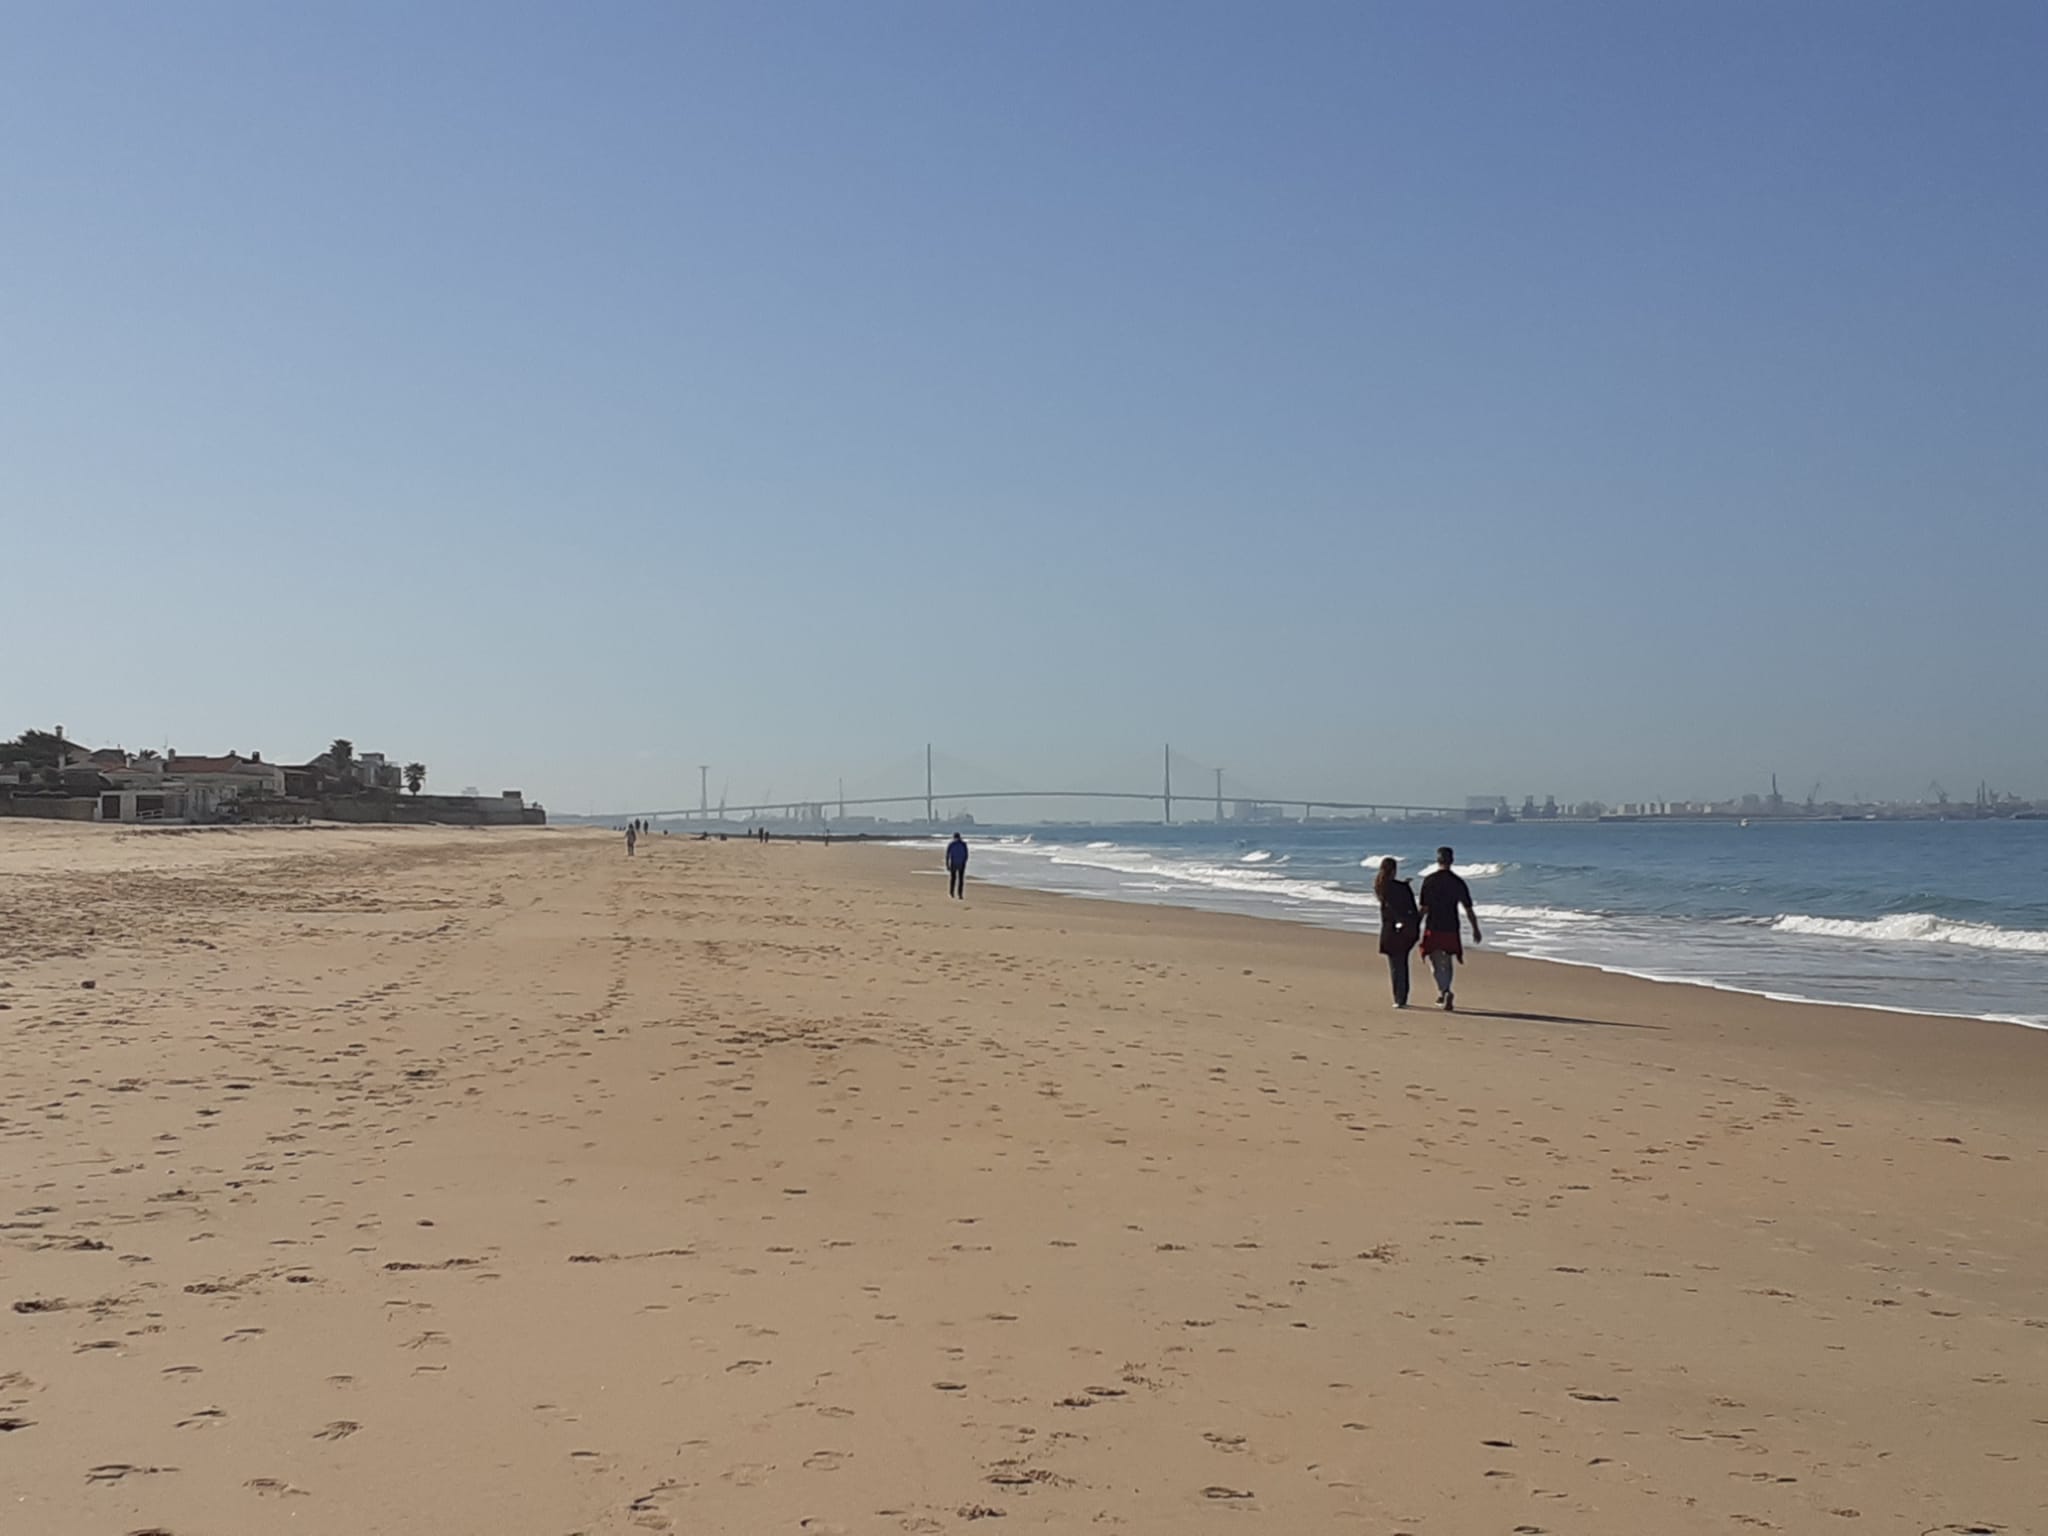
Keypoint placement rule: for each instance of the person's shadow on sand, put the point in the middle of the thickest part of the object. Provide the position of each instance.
(1550, 1018)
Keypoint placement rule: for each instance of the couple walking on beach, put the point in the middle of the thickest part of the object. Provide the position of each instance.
(1434, 922)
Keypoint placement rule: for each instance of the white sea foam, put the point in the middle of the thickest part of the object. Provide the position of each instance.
(1916, 928)
(1558, 916)
(1419, 867)
(1256, 873)
(2025, 1021)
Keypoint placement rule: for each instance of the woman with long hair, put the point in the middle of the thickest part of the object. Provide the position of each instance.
(1400, 924)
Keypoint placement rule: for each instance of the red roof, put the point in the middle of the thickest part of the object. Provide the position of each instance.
(228, 764)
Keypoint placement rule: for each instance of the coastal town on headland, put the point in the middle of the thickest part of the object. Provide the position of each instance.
(44, 774)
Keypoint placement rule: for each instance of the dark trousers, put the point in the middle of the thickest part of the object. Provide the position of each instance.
(956, 882)
(1397, 967)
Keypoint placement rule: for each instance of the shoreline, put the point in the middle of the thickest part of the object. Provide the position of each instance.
(1530, 982)
(1223, 903)
(2009, 1020)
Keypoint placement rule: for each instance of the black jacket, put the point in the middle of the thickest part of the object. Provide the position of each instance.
(1400, 919)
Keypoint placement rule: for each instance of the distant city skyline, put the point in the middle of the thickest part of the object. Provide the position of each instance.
(1197, 793)
(1409, 400)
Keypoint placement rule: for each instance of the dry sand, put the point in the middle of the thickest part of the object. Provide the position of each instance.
(456, 1182)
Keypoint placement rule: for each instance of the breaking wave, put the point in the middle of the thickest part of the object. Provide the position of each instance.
(1915, 928)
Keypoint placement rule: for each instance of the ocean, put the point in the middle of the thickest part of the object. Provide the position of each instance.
(1925, 917)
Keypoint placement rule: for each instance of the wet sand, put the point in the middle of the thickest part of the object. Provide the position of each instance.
(401, 1180)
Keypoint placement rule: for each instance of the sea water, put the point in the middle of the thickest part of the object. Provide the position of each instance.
(1927, 917)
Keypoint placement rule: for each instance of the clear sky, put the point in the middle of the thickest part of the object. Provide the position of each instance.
(1398, 399)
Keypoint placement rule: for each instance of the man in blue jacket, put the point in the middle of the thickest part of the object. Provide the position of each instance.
(956, 867)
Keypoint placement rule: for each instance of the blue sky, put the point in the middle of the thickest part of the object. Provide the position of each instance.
(1410, 400)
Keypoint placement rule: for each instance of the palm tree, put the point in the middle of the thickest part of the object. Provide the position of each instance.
(40, 749)
(343, 752)
(415, 776)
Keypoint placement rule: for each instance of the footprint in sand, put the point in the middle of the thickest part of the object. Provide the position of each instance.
(340, 1429)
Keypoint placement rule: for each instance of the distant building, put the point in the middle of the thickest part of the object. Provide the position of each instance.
(233, 774)
(110, 784)
(323, 776)
(121, 786)
(373, 772)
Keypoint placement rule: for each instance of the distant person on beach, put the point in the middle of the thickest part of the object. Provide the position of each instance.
(956, 867)
(1400, 924)
(1443, 893)
(632, 837)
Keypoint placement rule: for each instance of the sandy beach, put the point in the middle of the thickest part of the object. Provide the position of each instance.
(386, 1180)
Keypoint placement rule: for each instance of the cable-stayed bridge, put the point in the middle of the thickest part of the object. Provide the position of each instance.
(1197, 793)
